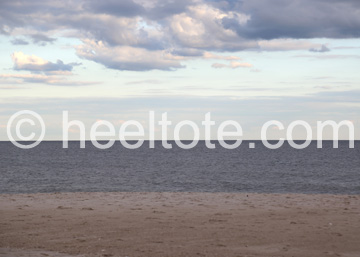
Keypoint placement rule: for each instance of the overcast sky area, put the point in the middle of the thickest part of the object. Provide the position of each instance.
(250, 61)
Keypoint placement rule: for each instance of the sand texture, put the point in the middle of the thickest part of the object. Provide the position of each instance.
(179, 224)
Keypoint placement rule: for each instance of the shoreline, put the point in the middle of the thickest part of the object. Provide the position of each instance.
(179, 224)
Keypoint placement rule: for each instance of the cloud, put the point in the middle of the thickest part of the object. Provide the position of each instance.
(264, 19)
(325, 87)
(188, 52)
(148, 81)
(287, 45)
(42, 71)
(19, 41)
(42, 39)
(39, 39)
(315, 105)
(128, 58)
(44, 79)
(323, 49)
(232, 65)
(10, 87)
(296, 19)
(165, 32)
(208, 55)
(347, 47)
(124, 8)
(255, 70)
(116, 31)
(200, 27)
(30, 78)
(34, 63)
(162, 9)
(327, 57)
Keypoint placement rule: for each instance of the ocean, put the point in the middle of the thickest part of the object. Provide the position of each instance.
(50, 168)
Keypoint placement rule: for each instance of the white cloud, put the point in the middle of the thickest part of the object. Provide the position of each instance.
(43, 79)
(232, 65)
(34, 63)
(42, 71)
(287, 45)
(22, 61)
(127, 57)
(208, 55)
(200, 27)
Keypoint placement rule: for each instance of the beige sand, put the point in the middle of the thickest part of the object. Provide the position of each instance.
(179, 224)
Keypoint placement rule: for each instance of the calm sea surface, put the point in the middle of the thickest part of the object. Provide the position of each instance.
(49, 168)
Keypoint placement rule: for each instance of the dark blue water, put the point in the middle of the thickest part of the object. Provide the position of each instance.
(49, 168)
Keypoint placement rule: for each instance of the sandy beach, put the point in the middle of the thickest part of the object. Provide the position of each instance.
(179, 224)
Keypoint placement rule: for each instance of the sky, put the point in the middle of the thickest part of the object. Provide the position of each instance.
(250, 61)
